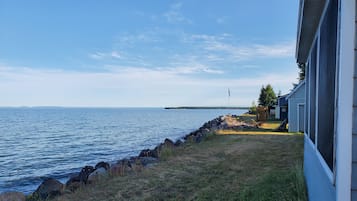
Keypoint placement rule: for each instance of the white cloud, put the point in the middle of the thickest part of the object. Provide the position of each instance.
(105, 55)
(174, 15)
(254, 50)
(223, 44)
(115, 54)
(128, 86)
(189, 69)
(208, 38)
(97, 55)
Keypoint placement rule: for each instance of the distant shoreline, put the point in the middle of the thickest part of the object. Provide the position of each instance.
(201, 108)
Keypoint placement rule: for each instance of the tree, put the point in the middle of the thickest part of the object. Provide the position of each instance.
(253, 108)
(262, 96)
(267, 96)
(301, 67)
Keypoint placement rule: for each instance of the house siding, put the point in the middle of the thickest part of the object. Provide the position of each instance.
(328, 179)
(298, 97)
(318, 184)
(354, 123)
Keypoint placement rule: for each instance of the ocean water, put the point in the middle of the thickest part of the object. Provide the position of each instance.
(36, 143)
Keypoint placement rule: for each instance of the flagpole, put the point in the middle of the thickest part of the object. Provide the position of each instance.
(229, 96)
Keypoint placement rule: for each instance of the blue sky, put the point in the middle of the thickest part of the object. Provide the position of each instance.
(144, 53)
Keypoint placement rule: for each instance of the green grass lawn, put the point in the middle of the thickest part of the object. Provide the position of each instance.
(222, 167)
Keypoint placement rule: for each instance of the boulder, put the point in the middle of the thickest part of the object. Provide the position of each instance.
(157, 150)
(117, 170)
(148, 161)
(73, 185)
(48, 189)
(73, 178)
(187, 137)
(204, 130)
(121, 167)
(102, 164)
(12, 196)
(85, 172)
(198, 138)
(149, 153)
(168, 143)
(73, 182)
(96, 174)
(178, 143)
(190, 138)
(144, 153)
(136, 164)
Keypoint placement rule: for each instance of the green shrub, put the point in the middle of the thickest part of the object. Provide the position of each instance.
(253, 108)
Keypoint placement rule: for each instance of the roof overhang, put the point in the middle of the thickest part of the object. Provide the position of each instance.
(310, 13)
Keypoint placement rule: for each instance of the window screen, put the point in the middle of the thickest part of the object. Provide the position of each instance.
(312, 93)
(326, 84)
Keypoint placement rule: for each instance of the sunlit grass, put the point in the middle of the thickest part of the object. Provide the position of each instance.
(222, 167)
(248, 164)
(270, 125)
(233, 132)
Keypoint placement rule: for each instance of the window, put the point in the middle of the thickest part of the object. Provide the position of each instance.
(307, 97)
(312, 92)
(326, 84)
(320, 86)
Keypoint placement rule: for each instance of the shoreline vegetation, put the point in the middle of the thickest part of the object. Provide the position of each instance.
(228, 158)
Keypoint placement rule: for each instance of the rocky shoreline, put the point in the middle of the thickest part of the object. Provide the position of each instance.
(88, 175)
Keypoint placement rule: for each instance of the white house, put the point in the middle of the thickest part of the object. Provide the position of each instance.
(326, 44)
(296, 105)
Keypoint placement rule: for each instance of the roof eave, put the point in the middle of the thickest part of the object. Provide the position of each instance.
(310, 13)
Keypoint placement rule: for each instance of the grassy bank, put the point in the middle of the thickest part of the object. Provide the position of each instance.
(222, 167)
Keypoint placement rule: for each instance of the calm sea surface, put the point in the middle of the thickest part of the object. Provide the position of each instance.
(53, 142)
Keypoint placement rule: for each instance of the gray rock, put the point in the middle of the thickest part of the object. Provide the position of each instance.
(117, 170)
(121, 168)
(85, 172)
(198, 138)
(102, 164)
(149, 153)
(168, 143)
(178, 143)
(96, 174)
(12, 196)
(49, 188)
(147, 161)
(73, 185)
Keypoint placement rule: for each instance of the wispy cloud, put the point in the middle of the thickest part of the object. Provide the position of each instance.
(220, 43)
(147, 36)
(128, 86)
(253, 50)
(178, 68)
(191, 69)
(105, 55)
(174, 14)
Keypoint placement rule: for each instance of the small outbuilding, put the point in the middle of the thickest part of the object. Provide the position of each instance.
(296, 108)
(281, 109)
